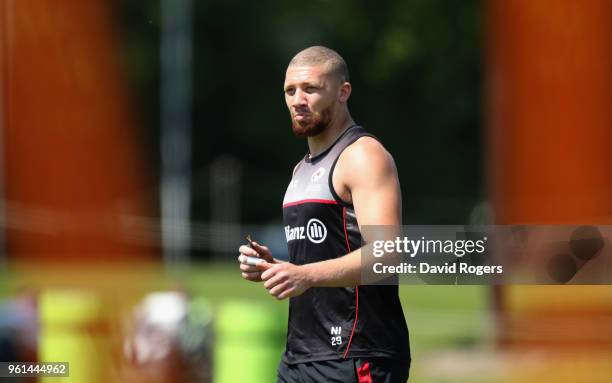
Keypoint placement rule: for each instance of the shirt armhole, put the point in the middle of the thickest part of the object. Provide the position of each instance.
(333, 167)
(295, 168)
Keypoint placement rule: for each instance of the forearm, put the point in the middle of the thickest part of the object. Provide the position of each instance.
(344, 271)
(286, 280)
(352, 269)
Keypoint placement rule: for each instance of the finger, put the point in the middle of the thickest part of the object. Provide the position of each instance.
(288, 293)
(248, 251)
(254, 277)
(264, 266)
(275, 280)
(249, 260)
(253, 261)
(278, 289)
(249, 269)
(269, 273)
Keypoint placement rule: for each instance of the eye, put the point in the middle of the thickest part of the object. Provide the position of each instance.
(311, 89)
(290, 91)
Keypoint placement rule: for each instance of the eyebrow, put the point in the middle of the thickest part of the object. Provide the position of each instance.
(304, 84)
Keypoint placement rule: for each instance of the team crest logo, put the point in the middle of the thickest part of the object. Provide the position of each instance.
(317, 175)
(316, 231)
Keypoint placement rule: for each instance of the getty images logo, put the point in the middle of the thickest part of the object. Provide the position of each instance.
(316, 231)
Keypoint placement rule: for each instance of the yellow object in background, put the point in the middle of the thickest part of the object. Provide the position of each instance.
(72, 330)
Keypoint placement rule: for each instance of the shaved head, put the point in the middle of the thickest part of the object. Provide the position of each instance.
(319, 55)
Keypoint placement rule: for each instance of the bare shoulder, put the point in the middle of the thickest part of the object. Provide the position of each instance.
(364, 164)
(367, 157)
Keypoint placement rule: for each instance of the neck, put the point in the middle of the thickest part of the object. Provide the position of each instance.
(319, 143)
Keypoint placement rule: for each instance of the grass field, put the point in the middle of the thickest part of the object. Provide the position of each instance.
(445, 322)
(442, 319)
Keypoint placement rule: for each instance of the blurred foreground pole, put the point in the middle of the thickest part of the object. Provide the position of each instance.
(549, 94)
(3, 51)
(71, 158)
(175, 188)
(549, 88)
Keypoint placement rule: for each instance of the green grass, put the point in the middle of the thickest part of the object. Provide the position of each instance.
(440, 318)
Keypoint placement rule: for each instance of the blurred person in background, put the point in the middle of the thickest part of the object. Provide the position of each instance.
(338, 330)
(19, 327)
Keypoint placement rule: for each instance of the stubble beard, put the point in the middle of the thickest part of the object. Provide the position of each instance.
(313, 126)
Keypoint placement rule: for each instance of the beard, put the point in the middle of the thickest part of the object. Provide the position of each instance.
(314, 125)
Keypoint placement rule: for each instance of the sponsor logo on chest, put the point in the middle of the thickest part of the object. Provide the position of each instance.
(317, 175)
(315, 231)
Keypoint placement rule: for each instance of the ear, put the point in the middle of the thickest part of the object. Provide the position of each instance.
(344, 92)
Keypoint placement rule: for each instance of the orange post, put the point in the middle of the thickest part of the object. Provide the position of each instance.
(549, 127)
(549, 93)
(72, 164)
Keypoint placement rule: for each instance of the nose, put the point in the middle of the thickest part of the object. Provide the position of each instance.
(298, 99)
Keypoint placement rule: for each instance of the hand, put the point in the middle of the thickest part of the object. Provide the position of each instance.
(285, 280)
(253, 273)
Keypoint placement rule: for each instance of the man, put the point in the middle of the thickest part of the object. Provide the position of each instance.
(338, 330)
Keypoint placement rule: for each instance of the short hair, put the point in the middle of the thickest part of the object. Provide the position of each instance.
(320, 55)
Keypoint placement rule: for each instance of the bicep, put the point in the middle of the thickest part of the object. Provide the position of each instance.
(374, 185)
(377, 201)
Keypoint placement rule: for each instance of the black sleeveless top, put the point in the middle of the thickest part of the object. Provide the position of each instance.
(328, 323)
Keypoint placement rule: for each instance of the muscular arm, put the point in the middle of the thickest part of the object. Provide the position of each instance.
(366, 176)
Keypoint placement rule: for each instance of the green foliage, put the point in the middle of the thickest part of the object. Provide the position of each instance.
(415, 68)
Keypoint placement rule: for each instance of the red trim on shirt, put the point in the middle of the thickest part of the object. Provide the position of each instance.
(345, 233)
(363, 373)
(348, 346)
(302, 201)
(348, 246)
